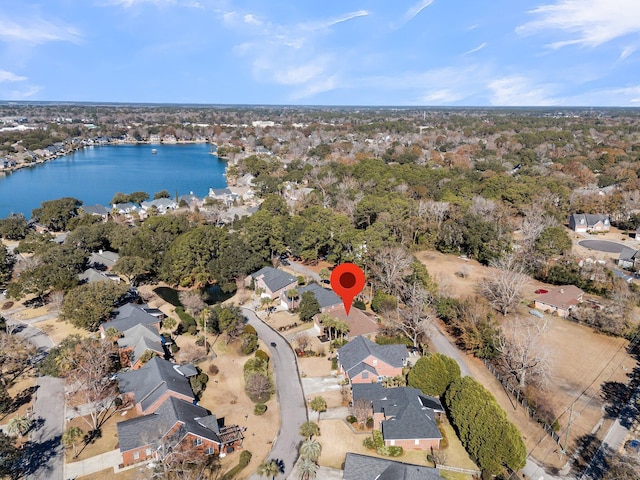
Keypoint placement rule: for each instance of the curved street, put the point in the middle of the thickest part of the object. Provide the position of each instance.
(293, 410)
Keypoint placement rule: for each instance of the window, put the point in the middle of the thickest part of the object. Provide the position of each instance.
(197, 442)
(210, 451)
(365, 374)
(136, 455)
(417, 441)
(147, 452)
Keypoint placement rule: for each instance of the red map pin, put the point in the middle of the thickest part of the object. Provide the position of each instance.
(347, 280)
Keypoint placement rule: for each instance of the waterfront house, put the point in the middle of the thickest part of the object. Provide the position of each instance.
(272, 283)
(161, 204)
(224, 195)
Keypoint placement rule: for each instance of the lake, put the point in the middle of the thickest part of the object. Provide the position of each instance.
(95, 174)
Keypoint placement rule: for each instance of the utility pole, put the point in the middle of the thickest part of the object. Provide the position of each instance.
(566, 434)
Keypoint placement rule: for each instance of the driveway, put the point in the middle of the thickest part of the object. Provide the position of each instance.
(293, 411)
(444, 346)
(304, 271)
(602, 245)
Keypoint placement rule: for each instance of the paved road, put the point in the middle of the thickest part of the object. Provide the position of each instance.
(44, 459)
(302, 270)
(293, 412)
(443, 345)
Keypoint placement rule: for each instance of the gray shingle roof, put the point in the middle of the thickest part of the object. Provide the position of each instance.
(409, 414)
(150, 429)
(150, 382)
(360, 348)
(273, 278)
(96, 209)
(103, 257)
(627, 254)
(326, 298)
(128, 316)
(363, 467)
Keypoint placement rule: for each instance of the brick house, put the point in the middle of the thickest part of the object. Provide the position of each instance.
(363, 361)
(176, 426)
(158, 380)
(589, 222)
(405, 416)
(138, 340)
(130, 315)
(561, 300)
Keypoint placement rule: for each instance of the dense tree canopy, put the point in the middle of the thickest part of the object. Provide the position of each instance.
(89, 305)
(433, 373)
(55, 214)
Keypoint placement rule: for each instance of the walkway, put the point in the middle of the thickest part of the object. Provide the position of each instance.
(94, 464)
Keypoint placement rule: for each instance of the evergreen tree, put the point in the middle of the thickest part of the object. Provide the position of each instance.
(433, 373)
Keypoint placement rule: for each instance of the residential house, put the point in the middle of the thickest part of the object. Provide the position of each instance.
(224, 195)
(326, 298)
(175, 427)
(103, 259)
(405, 416)
(363, 361)
(360, 323)
(560, 300)
(191, 200)
(161, 204)
(97, 210)
(629, 258)
(125, 208)
(587, 222)
(246, 180)
(158, 379)
(272, 282)
(136, 342)
(91, 275)
(364, 467)
(129, 315)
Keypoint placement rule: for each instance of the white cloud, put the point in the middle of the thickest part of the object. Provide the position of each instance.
(445, 96)
(415, 10)
(251, 19)
(36, 32)
(589, 22)
(323, 24)
(229, 17)
(296, 75)
(627, 51)
(131, 3)
(6, 76)
(477, 49)
(517, 90)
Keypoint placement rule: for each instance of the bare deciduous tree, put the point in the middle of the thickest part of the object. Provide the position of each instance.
(435, 212)
(192, 301)
(391, 266)
(56, 298)
(414, 320)
(302, 341)
(504, 289)
(362, 410)
(523, 353)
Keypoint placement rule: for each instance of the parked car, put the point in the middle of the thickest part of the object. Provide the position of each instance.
(542, 290)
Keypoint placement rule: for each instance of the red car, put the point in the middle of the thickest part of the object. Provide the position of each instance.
(542, 290)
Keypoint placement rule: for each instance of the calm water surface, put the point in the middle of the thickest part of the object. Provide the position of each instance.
(95, 174)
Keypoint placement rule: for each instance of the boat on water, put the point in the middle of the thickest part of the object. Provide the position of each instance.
(154, 151)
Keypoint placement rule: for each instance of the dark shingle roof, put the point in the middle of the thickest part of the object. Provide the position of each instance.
(154, 379)
(128, 316)
(326, 298)
(360, 348)
(96, 209)
(363, 467)
(273, 278)
(627, 254)
(150, 429)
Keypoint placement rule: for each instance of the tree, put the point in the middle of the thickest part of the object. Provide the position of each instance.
(161, 194)
(9, 455)
(414, 321)
(258, 387)
(504, 288)
(132, 267)
(522, 351)
(307, 468)
(318, 404)
(16, 356)
(88, 369)
(55, 214)
(362, 410)
(6, 265)
(5, 399)
(89, 305)
(269, 468)
(309, 306)
(309, 429)
(310, 449)
(192, 302)
(18, 425)
(433, 373)
(390, 267)
(553, 241)
(483, 428)
(71, 437)
(14, 227)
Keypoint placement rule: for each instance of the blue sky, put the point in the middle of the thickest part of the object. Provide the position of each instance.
(369, 52)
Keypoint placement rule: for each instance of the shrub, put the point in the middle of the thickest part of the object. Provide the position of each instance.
(262, 355)
(368, 443)
(259, 409)
(383, 302)
(249, 343)
(199, 383)
(369, 422)
(193, 330)
(255, 365)
(245, 458)
(359, 304)
(249, 329)
(213, 369)
(351, 419)
(301, 280)
(334, 363)
(175, 348)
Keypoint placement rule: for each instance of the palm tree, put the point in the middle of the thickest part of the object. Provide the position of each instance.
(269, 468)
(307, 468)
(71, 436)
(318, 404)
(310, 449)
(309, 429)
(18, 425)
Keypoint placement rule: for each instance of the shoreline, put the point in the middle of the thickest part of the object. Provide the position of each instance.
(75, 148)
